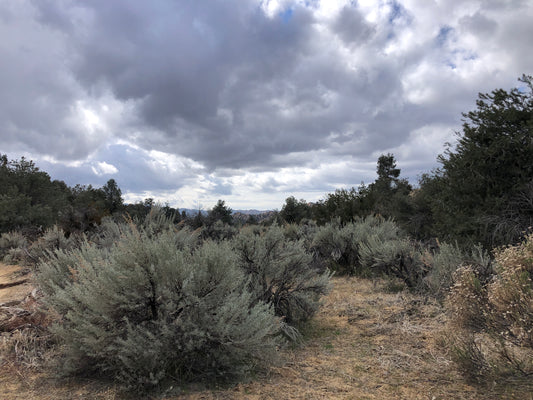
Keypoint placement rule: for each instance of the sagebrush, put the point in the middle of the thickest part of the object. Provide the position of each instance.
(151, 308)
(281, 273)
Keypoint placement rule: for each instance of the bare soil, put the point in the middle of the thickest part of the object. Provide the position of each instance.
(14, 283)
(365, 343)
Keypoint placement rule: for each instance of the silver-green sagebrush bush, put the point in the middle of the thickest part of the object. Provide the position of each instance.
(446, 261)
(17, 249)
(53, 239)
(335, 247)
(396, 257)
(149, 309)
(11, 246)
(281, 273)
(339, 246)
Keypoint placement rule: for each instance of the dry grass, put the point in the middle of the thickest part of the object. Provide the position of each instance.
(365, 343)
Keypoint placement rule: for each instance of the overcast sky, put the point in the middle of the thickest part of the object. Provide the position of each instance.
(247, 101)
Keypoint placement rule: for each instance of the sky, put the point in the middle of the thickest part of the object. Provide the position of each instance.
(247, 101)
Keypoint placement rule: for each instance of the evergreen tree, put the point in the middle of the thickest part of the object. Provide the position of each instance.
(388, 196)
(28, 197)
(113, 196)
(478, 192)
(220, 212)
(293, 211)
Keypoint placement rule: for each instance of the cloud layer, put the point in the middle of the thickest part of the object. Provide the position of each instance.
(250, 101)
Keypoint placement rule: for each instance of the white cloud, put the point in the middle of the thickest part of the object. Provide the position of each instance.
(103, 168)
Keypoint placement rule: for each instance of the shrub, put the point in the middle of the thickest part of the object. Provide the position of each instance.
(497, 313)
(446, 261)
(335, 248)
(468, 300)
(219, 231)
(153, 224)
(107, 233)
(17, 249)
(468, 352)
(510, 295)
(339, 246)
(12, 245)
(304, 231)
(281, 274)
(53, 239)
(144, 311)
(396, 257)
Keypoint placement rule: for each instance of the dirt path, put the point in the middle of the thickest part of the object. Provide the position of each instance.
(365, 343)
(368, 344)
(14, 284)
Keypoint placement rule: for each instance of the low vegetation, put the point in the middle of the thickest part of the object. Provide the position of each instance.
(150, 303)
(492, 319)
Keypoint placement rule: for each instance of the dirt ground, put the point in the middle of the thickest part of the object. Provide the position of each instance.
(365, 343)
(14, 283)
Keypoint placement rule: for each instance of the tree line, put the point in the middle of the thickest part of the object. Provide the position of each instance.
(31, 202)
(482, 191)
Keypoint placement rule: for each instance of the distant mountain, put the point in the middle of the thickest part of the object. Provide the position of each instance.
(193, 212)
(251, 212)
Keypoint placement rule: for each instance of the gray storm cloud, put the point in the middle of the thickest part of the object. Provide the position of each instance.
(237, 87)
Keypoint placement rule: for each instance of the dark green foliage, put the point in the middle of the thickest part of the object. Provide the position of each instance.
(139, 210)
(198, 221)
(281, 273)
(151, 308)
(31, 201)
(387, 171)
(220, 212)
(388, 197)
(113, 197)
(218, 223)
(481, 192)
(86, 209)
(343, 205)
(423, 220)
(294, 211)
(28, 198)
